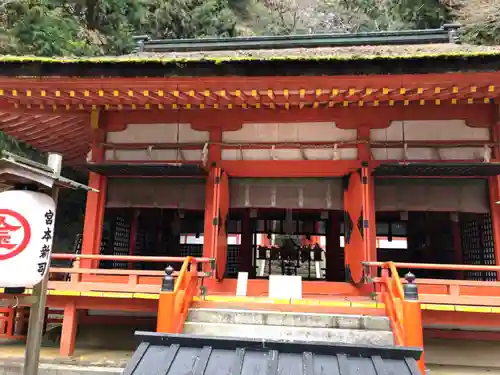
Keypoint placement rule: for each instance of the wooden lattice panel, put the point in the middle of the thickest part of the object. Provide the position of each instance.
(488, 246)
(140, 247)
(233, 260)
(105, 245)
(121, 241)
(193, 250)
(478, 245)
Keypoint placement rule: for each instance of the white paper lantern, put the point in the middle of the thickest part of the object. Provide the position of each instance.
(26, 235)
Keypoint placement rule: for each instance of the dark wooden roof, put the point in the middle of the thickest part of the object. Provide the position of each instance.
(184, 354)
(344, 60)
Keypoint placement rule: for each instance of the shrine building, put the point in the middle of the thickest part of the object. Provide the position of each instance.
(316, 156)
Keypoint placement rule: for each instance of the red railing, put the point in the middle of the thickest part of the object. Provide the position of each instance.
(404, 314)
(173, 305)
(78, 278)
(448, 291)
(83, 279)
(393, 296)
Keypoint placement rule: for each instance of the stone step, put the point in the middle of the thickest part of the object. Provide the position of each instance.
(290, 319)
(291, 333)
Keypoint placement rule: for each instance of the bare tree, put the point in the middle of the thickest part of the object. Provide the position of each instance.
(480, 19)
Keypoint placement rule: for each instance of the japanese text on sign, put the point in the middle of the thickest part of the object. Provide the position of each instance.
(47, 237)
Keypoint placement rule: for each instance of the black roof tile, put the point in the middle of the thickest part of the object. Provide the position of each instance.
(169, 354)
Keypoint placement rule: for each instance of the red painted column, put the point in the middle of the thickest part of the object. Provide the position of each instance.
(214, 157)
(69, 328)
(95, 205)
(208, 221)
(221, 230)
(369, 213)
(355, 244)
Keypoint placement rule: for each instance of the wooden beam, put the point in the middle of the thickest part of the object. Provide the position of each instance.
(289, 168)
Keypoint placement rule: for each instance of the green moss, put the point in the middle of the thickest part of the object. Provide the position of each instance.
(228, 59)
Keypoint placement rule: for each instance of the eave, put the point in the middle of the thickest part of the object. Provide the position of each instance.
(53, 114)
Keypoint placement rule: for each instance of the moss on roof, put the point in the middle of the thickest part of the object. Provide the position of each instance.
(384, 52)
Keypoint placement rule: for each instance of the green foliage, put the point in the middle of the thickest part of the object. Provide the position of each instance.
(41, 27)
(191, 19)
(106, 27)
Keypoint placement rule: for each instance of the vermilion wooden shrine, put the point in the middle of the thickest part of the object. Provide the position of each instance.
(219, 154)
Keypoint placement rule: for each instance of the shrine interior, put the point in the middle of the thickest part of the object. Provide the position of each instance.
(297, 226)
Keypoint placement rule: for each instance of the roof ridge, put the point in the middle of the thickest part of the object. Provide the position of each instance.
(445, 34)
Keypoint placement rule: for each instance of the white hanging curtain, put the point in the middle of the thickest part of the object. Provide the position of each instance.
(426, 194)
(293, 193)
(185, 193)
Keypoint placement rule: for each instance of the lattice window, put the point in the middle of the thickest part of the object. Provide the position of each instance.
(233, 260)
(121, 241)
(487, 244)
(191, 250)
(478, 245)
(140, 248)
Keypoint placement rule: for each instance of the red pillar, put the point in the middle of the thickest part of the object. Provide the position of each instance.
(208, 221)
(94, 210)
(69, 328)
(221, 230)
(354, 246)
(94, 218)
(214, 157)
(369, 213)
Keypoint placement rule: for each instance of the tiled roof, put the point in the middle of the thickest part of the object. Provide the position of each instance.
(184, 354)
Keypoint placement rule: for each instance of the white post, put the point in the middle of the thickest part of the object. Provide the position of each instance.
(37, 310)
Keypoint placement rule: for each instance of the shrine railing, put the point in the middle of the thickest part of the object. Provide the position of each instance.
(402, 307)
(82, 279)
(176, 297)
(446, 291)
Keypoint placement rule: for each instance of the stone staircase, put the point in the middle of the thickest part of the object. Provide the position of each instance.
(290, 326)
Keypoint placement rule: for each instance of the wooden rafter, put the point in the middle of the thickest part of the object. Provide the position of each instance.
(54, 113)
(256, 92)
(64, 133)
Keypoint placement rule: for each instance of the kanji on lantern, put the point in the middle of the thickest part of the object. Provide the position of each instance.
(49, 217)
(41, 268)
(45, 251)
(47, 235)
